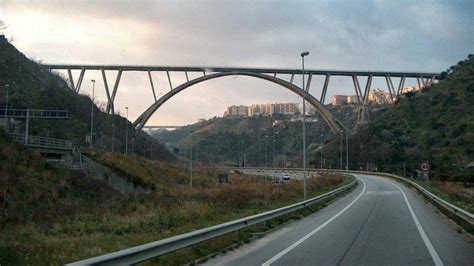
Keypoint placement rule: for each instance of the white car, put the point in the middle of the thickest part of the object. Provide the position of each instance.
(286, 178)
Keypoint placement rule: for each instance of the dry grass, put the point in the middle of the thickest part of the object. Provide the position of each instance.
(454, 192)
(101, 225)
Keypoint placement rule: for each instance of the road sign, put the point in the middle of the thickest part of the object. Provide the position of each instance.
(425, 166)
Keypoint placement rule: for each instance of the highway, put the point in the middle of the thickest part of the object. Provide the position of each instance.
(381, 222)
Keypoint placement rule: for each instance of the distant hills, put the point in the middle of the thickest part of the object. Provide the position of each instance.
(231, 140)
(31, 86)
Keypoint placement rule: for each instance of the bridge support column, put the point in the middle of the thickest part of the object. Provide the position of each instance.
(325, 88)
(362, 99)
(308, 83)
(401, 84)
(152, 86)
(391, 89)
(75, 87)
(169, 80)
(111, 97)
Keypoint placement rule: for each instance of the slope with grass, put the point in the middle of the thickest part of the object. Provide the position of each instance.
(53, 216)
(31, 86)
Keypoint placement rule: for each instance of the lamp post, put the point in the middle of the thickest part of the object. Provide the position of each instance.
(274, 165)
(321, 152)
(92, 111)
(340, 150)
(126, 133)
(191, 162)
(266, 150)
(303, 54)
(347, 149)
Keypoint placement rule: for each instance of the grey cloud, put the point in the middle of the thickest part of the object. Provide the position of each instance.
(377, 35)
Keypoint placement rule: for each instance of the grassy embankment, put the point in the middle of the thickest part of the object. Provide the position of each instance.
(52, 216)
(453, 192)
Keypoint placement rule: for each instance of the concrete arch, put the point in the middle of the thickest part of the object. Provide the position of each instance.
(333, 123)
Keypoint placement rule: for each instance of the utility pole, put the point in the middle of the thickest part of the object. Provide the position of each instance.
(321, 152)
(347, 149)
(340, 151)
(303, 54)
(126, 133)
(92, 111)
(191, 162)
(274, 162)
(266, 150)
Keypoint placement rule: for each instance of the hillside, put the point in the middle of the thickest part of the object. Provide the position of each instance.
(220, 140)
(436, 126)
(30, 86)
(52, 216)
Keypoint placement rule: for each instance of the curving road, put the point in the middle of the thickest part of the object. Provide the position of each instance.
(381, 222)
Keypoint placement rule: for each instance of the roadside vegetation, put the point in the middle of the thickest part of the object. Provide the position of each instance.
(454, 192)
(53, 216)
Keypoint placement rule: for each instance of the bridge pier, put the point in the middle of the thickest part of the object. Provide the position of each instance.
(111, 97)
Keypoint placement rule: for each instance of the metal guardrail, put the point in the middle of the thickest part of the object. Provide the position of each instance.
(459, 212)
(151, 250)
(33, 113)
(43, 142)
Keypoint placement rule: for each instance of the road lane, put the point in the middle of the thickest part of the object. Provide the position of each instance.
(377, 229)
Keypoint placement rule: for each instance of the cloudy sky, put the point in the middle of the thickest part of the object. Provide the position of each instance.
(344, 35)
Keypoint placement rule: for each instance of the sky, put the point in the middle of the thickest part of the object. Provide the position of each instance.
(426, 36)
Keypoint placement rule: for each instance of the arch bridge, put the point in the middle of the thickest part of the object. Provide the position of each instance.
(269, 74)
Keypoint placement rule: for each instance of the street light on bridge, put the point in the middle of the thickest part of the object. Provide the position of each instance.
(303, 54)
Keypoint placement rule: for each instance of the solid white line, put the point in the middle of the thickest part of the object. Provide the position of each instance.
(425, 238)
(294, 245)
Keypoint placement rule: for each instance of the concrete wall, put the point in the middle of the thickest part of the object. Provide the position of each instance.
(99, 171)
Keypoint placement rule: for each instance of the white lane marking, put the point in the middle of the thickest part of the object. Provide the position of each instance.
(425, 238)
(294, 245)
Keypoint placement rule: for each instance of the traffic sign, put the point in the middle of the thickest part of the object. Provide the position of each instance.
(425, 166)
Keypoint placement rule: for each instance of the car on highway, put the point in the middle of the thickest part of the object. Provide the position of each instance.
(286, 178)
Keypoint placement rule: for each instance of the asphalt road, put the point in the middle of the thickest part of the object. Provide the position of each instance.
(381, 222)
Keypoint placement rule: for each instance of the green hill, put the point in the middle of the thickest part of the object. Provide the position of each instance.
(435, 125)
(31, 86)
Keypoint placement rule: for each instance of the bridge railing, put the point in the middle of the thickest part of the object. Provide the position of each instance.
(43, 142)
(151, 250)
(34, 113)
